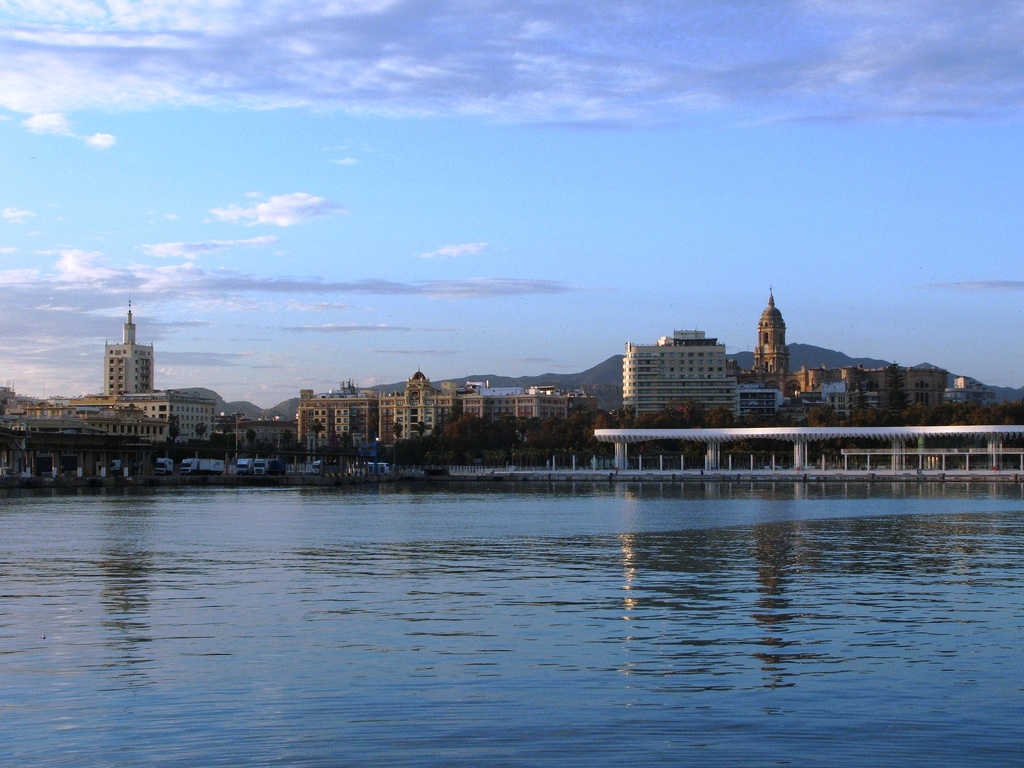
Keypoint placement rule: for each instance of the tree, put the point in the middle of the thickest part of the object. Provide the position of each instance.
(894, 384)
(173, 428)
(200, 430)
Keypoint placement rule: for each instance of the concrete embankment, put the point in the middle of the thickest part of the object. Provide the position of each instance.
(507, 476)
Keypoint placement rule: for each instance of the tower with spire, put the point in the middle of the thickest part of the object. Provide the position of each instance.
(128, 366)
(771, 355)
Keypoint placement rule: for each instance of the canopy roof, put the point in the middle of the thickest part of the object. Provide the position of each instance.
(807, 434)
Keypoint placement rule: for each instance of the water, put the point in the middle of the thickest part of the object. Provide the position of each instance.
(579, 625)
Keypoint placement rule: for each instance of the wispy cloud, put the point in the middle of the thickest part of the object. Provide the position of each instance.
(280, 210)
(349, 328)
(978, 286)
(95, 274)
(421, 352)
(600, 61)
(56, 123)
(455, 251)
(16, 215)
(194, 250)
(205, 359)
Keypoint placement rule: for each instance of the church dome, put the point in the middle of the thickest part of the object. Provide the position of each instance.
(771, 314)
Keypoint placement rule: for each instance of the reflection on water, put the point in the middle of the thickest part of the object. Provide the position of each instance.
(537, 625)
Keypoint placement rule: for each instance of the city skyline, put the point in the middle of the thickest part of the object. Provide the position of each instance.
(319, 192)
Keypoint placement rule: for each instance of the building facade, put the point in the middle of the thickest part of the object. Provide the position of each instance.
(128, 366)
(684, 366)
(418, 411)
(494, 403)
(343, 418)
(771, 355)
(187, 416)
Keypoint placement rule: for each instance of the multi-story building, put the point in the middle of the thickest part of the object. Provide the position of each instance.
(755, 400)
(419, 410)
(965, 390)
(346, 417)
(684, 366)
(128, 366)
(265, 433)
(190, 416)
(870, 387)
(492, 403)
(110, 418)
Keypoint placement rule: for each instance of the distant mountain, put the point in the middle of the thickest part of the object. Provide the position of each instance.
(604, 380)
(244, 407)
(810, 356)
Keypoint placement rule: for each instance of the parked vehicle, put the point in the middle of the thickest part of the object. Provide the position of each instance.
(244, 467)
(163, 466)
(268, 467)
(377, 468)
(201, 467)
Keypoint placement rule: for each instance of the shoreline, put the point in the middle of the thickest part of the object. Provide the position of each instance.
(515, 476)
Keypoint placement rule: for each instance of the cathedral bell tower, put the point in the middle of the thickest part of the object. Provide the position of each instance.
(771, 355)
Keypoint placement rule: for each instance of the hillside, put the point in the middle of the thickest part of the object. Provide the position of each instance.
(604, 380)
(810, 356)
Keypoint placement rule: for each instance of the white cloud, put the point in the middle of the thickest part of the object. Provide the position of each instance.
(16, 215)
(56, 123)
(345, 161)
(48, 123)
(281, 210)
(604, 60)
(455, 251)
(193, 250)
(100, 140)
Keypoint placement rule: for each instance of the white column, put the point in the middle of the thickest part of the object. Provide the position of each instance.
(621, 455)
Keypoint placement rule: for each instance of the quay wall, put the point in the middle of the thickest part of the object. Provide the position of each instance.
(509, 476)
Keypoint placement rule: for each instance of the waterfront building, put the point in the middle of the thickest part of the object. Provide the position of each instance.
(685, 366)
(338, 418)
(77, 415)
(190, 415)
(494, 403)
(128, 366)
(419, 410)
(274, 433)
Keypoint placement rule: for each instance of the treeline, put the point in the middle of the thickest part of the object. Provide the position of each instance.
(533, 442)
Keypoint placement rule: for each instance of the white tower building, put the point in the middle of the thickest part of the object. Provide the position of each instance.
(128, 367)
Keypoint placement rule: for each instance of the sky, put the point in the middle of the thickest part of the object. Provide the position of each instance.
(296, 193)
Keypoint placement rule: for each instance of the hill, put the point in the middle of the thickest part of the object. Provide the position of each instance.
(810, 356)
(604, 380)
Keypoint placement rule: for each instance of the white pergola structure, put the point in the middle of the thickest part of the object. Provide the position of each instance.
(897, 437)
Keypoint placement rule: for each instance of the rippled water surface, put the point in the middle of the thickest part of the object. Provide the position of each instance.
(577, 625)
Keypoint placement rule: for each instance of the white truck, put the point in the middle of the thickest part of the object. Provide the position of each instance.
(201, 467)
(163, 466)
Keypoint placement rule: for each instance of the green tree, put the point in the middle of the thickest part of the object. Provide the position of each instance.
(894, 384)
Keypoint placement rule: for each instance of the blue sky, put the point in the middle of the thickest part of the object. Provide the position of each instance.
(299, 193)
